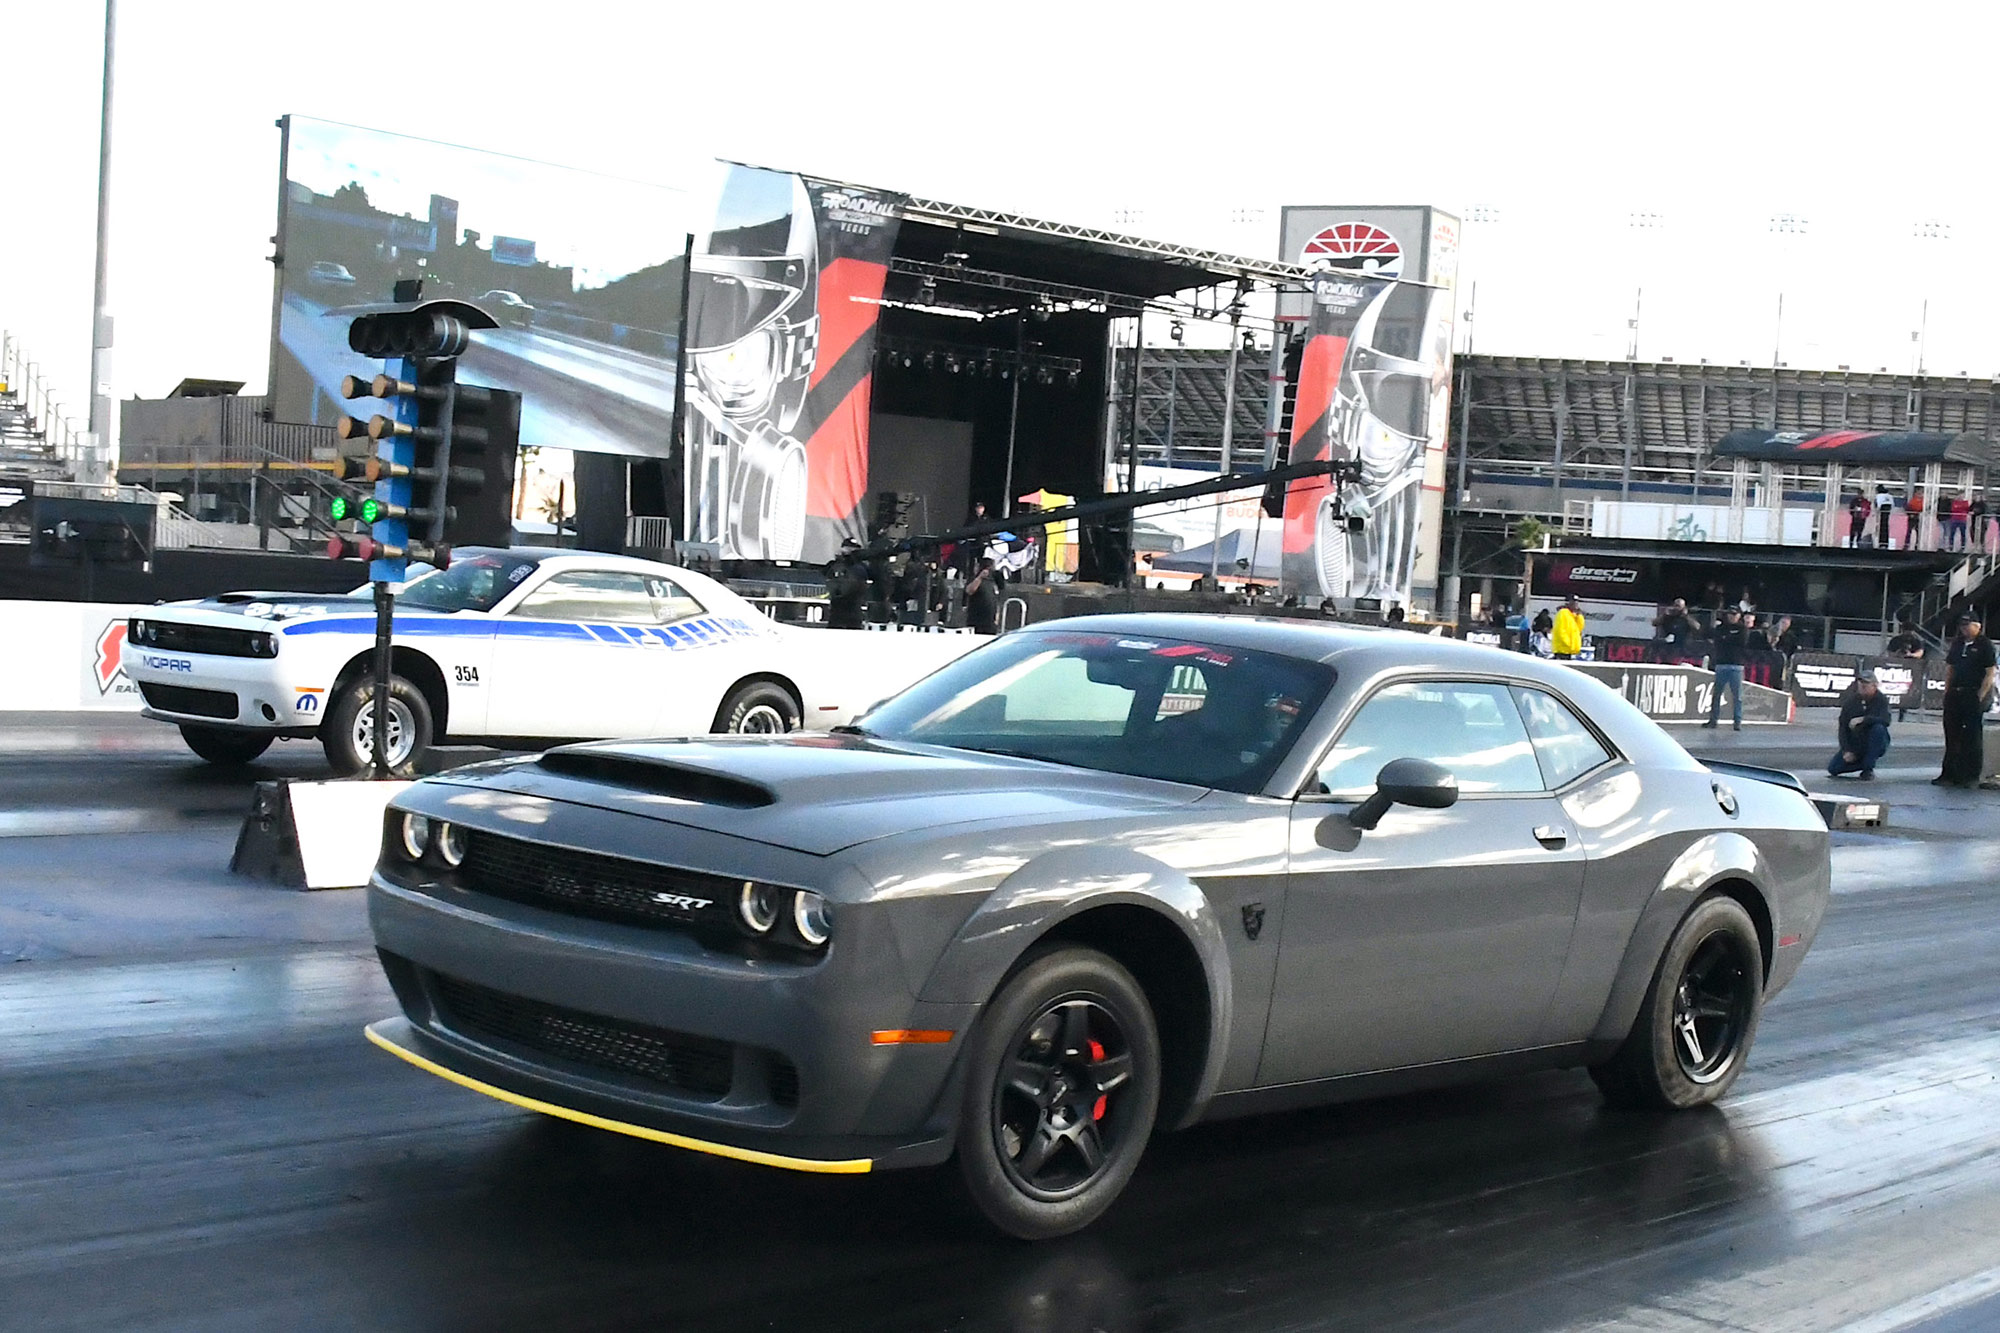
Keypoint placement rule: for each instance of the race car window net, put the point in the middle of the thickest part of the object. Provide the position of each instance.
(1170, 709)
(473, 583)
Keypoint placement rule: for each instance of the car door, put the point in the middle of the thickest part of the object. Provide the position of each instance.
(1439, 934)
(578, 656)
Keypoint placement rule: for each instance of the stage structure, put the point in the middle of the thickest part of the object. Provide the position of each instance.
(760, 368)
(845, 341)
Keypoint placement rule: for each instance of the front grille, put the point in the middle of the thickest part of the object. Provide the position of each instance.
(185, 699)
(698, 1066)
(606, 888)
(215, 640)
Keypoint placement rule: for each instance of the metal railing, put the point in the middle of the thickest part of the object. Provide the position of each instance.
(649, 532)
(28, 387)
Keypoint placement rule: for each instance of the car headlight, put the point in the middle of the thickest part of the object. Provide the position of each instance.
(144, 631)
(450, 839)
(263, 645)
(811, 917)
(758, 906)
(416, 836)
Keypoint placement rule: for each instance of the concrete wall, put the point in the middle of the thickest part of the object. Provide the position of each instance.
(65, 656)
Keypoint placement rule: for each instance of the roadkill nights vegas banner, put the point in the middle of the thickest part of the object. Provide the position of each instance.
(784, 295)
(1374, 382)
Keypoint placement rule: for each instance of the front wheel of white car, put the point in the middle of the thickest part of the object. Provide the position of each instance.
(758, 708)
(219, 745)
(348, 735)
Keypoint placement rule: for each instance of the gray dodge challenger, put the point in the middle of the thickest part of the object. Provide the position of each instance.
(1101, 878)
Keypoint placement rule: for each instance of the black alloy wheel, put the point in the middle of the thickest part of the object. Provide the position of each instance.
(1692, 1034)
(1712, 1006)
(1053, 1106)
(1062, 1087)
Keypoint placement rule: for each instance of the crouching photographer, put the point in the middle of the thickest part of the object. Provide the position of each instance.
(1864, 729)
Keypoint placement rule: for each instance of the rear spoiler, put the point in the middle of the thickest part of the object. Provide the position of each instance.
(1777, 777)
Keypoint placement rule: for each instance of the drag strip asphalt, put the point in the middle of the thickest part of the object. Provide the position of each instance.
(194, 1135)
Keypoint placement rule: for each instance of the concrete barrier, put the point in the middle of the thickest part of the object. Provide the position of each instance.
(1682, 693)
(64, 656)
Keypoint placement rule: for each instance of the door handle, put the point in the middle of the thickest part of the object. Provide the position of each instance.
(1552, 836)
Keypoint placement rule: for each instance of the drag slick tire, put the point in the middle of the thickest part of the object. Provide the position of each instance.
(758, 708)
(221, 745)
(347, 734)
(1062, 1086)
(1694, 1030)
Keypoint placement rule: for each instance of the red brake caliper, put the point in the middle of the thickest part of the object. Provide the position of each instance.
(1097, 1053)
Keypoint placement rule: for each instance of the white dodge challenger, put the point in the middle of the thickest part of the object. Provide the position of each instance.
(524, 646)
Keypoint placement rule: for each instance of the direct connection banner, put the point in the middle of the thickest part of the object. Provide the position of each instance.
(784, 299)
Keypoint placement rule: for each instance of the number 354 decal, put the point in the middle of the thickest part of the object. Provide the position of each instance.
(466, 675)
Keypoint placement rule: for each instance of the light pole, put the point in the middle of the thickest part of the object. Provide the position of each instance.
(100, 324)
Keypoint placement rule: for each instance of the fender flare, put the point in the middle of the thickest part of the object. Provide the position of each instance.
(1712, 859)
(1062, 885)
(362, 662)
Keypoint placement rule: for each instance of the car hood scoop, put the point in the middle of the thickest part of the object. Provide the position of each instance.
(651, 774)
(820, 794)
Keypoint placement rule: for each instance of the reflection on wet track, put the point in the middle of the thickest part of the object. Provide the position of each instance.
(193, 1135)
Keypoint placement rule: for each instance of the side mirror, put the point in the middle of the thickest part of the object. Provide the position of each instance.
(1414, 782)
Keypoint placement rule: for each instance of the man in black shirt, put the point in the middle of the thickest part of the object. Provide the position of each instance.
(1968, 686)
(982, 599)
(1906, 642)
(1864, 729)
(1730, 643)
(1673, 626)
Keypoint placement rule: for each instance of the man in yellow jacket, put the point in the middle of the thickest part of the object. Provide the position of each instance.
(1567, 640)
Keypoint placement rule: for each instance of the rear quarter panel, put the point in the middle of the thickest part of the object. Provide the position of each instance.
(1659, 842)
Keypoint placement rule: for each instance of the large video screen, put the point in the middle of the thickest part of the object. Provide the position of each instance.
(582, 272)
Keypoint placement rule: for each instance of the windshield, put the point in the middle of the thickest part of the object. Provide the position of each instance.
(473, 583)
(1172, 709)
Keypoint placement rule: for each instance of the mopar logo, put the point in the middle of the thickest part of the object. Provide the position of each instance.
(681, 901)
(166, 663)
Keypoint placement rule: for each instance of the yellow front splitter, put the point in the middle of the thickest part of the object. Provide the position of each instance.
(849, 1167)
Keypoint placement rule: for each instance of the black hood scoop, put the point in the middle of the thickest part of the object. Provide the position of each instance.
(659, 778)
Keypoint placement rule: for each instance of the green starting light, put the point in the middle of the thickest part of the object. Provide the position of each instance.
(371, 510)
(336, 508)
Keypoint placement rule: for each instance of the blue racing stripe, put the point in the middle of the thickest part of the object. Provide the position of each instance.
(697, 633)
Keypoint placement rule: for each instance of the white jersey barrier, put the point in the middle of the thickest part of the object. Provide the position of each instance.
(1683, 693)
(65, 656)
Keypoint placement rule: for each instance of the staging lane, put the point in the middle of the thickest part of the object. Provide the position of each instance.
(198, 1137)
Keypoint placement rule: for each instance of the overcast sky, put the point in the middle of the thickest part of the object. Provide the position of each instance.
(1563, 120)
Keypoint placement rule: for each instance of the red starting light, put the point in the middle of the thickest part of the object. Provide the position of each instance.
(352, 548)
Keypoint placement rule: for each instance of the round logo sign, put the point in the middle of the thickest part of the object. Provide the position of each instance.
(1354, 247)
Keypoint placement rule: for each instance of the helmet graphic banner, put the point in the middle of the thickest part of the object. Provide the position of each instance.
(1373, 381)
(784, 296)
